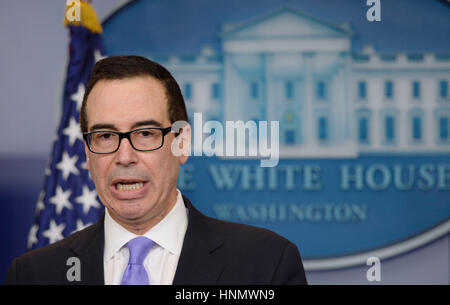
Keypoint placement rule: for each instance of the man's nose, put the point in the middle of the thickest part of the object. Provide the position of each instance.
(126, 154)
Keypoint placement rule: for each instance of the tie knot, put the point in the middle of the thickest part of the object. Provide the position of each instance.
(139, 248)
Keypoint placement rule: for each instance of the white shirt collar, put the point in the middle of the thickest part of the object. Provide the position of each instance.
(168, 233)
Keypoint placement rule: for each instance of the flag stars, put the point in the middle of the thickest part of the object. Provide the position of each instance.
(83, 165)
(40, 204)
(88, 199)
(54, 232)
(81, 225)
(32, 236)
(72, 131)
(61, 199)
(78, 96)
(97, 55)
(67, 165)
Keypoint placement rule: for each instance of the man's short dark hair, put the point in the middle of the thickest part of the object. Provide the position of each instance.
(121, 67)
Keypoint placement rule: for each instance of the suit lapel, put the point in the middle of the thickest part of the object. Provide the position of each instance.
(89, 249)
(201, 261)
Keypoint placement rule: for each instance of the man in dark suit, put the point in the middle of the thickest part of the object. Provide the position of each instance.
(150, 233)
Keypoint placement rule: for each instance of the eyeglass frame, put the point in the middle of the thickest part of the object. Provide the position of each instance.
(126, 135)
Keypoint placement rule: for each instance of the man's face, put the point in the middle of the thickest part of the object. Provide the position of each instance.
(123, 105)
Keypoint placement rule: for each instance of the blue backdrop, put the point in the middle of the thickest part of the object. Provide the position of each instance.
(343, 188)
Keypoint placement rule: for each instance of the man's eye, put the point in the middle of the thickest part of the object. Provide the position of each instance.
(146, 133)
(104, 136)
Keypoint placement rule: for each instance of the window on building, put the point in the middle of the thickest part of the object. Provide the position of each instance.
(388, 89)
(362, 90)
(363, 130)
(321, 90)
(288, 90)
(443, 89)
(289, 117)
(289, 136)
(416, 89)
(444, 128)
(187, 89)
(254, 90)
(215, 91)
(389, 131)
(322, 128)
(417, 128)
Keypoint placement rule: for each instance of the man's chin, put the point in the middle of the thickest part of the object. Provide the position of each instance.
(128, 210)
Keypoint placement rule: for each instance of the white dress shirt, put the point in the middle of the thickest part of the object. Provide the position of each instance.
(161, 261)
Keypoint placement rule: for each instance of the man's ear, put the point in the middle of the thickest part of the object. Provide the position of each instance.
(86, 152)
(185, 135)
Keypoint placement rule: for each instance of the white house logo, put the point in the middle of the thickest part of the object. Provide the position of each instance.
(364, 134)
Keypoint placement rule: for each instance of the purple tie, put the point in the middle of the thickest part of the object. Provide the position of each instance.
(135, 274)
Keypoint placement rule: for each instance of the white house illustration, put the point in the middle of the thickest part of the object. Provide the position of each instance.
(331, 101)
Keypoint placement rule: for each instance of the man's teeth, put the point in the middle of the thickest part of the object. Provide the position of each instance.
(129, 186)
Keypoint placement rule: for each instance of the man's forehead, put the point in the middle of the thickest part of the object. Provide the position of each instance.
(128, 102)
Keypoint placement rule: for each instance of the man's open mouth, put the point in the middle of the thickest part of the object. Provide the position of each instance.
(129, 186)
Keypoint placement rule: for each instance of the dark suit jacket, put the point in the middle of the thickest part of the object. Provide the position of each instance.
(213, 252)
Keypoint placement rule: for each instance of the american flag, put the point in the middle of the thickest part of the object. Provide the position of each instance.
(68, 201)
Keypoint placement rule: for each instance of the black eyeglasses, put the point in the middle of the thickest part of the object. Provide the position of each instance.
(141, 139)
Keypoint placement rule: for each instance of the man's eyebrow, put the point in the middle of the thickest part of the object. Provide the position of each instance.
(103, 126)
(135, 125)
(146, 123)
